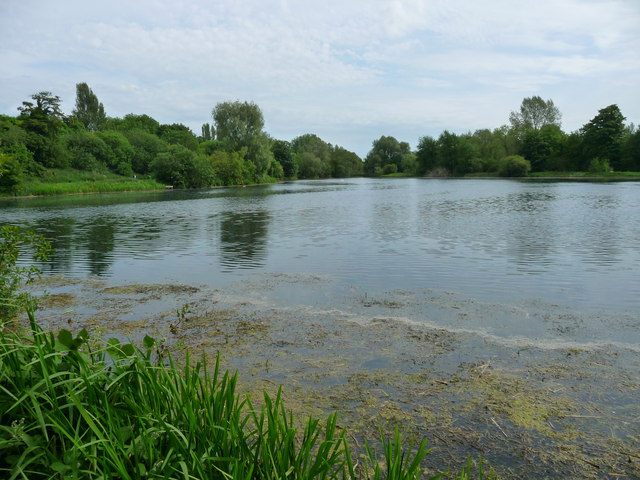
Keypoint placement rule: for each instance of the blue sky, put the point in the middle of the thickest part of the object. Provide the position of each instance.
(348, 71)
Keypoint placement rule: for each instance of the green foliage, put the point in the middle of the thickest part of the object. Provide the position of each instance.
(88, 151)
(389, 169)
(89, 111)
(131, 122)
(345, 163)
(232, 168)
(240, 125)
(427, 155)
(602, 136)
(599, 165)
(534, 114)
(312, 155)
(385, 151)
(178, 134)
(13, 243)
(514, 166)
(146, 146)
(455, 153)
(310, 166)
(283, 153)
(182, 168)
(10, 172)
(208, 132)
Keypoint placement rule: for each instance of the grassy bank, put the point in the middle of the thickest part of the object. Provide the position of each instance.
(69, 181)
(74, 409)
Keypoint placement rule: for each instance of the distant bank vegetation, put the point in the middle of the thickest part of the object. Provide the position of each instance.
(234, 149)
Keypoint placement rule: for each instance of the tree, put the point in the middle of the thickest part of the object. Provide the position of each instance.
(602, 136)
(207, 132)
(42, 119)
(313, 156)
(240, 124)
(345, 163)
(514, 166)
(89, 111)
(178, 134)
(534, 114)
(384, 151)
(45, 104)
(427, 155)
(231, 168)
(10, 172)
(283, 153)
(455, 153)
(182, 168)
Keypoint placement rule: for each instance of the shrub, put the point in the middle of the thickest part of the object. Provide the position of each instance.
(599, 165)
(389, 169)
(514, 166)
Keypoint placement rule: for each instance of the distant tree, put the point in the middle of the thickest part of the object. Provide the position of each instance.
(232, 168)
(283, 153)
(131, 121)
(602, 136)
(10, 172)
(89, 111)
(240, 125)
(345, 163)
(514, 166)
(631, 151)
(178, 134)
(182, 168)
(384, 151)
(313, 156)
(88, 151)
(207, 132)
(310, 166)
(44, 103)
(534, 114)
(426, 155)
(122, 152)
(455, 153)
(146, 147)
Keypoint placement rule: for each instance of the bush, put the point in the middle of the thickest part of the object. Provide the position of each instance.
(13, 242)
(599, 165)
(389, 169)
(514, 166)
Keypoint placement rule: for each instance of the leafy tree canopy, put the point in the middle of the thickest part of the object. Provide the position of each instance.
(535, 113)
(89, 111)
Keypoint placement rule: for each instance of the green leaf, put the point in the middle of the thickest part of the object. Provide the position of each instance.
(148, 342)
(65, 338)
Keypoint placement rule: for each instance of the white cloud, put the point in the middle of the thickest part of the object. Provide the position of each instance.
(330, 67)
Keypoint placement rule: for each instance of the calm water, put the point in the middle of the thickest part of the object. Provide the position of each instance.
(574, 244)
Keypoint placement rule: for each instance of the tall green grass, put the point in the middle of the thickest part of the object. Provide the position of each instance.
(69, 181)
(70, 410)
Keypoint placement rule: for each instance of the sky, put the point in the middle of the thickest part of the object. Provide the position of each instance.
(348, 71)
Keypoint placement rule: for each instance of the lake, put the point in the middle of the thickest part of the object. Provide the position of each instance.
(479, 271)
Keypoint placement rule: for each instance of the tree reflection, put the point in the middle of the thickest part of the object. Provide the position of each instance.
(243, 238)
(100, 244)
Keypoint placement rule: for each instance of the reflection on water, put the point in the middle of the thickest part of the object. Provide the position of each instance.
(243, 239)
(573, 243)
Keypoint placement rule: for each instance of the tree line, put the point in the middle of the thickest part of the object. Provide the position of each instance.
(533, 141)
(234, 149)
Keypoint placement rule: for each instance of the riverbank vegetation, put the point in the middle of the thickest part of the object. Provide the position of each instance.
(72, 407)
(235, 149)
